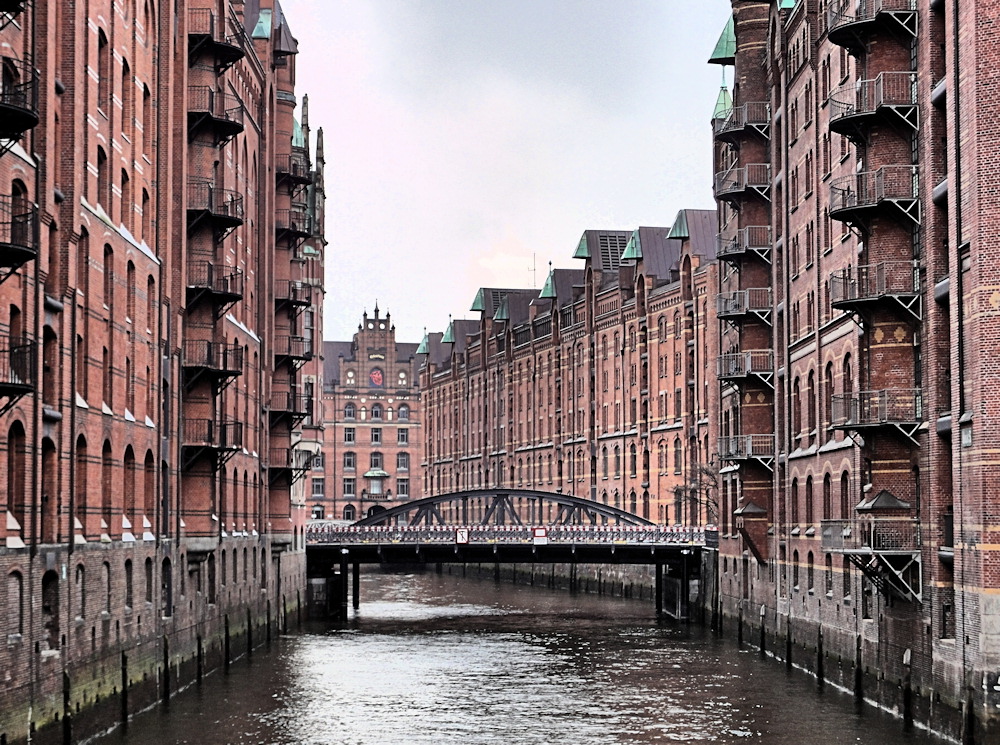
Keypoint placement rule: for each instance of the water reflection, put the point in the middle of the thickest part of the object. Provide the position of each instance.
(433, 659)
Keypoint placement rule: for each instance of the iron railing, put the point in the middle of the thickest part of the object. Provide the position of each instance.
(206, 197)
(875, 534)
(738, 178)
(873, 281)
(741, 302)
(222, 280)
(751, 238)
(224, 435)
(871, 188)
(751, 114)
(742, 364)
(743, 447)
(873, 408)
(842, 13)
(18, 362)
(867, 96)
(222, 106)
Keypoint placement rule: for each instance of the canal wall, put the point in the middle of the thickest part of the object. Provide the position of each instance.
(130, 625)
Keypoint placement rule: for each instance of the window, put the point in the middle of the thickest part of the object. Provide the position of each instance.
(375, 460)
(376, 411)
(349, 512)
(402, 487)
(348, 434)
(376, 435)
(404, 413)
(350, 411)
(349, 488)
(15, 603)
(318, 487)
(403, 436)
(350, 461)
(317, 461)
(403, 462)
(317, 512)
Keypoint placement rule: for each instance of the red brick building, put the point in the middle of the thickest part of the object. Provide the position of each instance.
(857, 303)
(595, 386)
(372, 415)
(161, 260)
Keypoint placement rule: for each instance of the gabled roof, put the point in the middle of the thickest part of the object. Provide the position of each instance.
(603, 247)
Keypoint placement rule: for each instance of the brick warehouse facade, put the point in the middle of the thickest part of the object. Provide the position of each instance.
(595, 386)
(161, 255)
(372, 414)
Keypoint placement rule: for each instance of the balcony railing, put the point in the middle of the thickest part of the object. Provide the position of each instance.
(222, 209)
(854, 194)
(754, 115)
(226, 282)
(746, 447)
(18, 98)
(293, 347)
(743, 302)
(860, 409)
(293, 166)
(18, 231)
(848, 20)
(294, 222)
(738, 365)
(288, 458)
(218, 35)
(865, 98)
(855, 286)
(207, 433)
(18, 365)
(752, 239)
(223, 111)
(738, 179)
(293, 291)
(291, 403)
(872, 535)
(225, 359)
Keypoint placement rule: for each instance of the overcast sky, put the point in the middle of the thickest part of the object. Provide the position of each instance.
(470, 141)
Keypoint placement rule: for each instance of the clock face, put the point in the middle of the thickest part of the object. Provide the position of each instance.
(376, 378)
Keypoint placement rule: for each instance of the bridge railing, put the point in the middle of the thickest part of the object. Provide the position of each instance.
(319, 532)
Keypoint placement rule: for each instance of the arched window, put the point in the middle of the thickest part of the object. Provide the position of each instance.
(827, 497)
(80, 589)
(166, 589)
(107, 485)
(828, 393)
(404, 412)
(678, 456)
(50, 608)
(350, 411)
(604, 461)
(16, 470)
(149, 488)
(794, 518)
(349, 512)
(632, 462)
(376, 411)
(845, 495)
(809, 501)
(129, 486)
(618, 461)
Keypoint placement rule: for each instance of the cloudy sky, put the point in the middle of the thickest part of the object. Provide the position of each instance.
(470, 142)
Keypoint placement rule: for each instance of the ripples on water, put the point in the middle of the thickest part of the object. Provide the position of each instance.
(433, 659)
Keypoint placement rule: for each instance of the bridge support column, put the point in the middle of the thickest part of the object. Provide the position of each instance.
(342, 590)
(659, 589)
(356, 581)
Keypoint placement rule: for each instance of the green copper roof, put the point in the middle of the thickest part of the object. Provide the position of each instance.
(725, 48)
(376, 473)
(298, 138)
(549, 290)
(479, 304)
(502, 314)
(582, 250)
(680, 228)
(723, 105)
(424, 343)
(263, 28)
(633, 249)
(449, 335)
(788, 4)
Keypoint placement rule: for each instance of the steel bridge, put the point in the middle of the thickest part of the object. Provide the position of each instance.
(503, 526)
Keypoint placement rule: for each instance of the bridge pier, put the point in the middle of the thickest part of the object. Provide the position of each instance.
(342, 590)
(659, 589)
(356, 585)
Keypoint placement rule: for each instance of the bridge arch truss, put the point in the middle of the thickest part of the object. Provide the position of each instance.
(503, 507)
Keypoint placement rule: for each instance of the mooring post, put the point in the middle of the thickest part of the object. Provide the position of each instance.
(659, 589)
(357, 585)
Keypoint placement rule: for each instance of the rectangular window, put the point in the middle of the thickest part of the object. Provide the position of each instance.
(349, 461)
(376, 435)
(317, 462)
(402, 487)
(348, 487)
(348, 434)
(403, 436)
(319, 487)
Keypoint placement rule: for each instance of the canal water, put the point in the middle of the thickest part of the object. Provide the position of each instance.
(438, 659)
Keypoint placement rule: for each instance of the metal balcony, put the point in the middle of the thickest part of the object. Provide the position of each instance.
(737, 306)
(739, 181)
(18, 233)
(18, 369)
(890, 97)
(851, 23)
(886, 549)
(862, 288)
(755, 448)
(740, 366)
(289, 405)
(753, 240)
(292, 225)
(206, 438)
(12, 6)
(292, 292)
(217, 36)
(219, 113)
(222, 285)
(899, 409)
(18, 98)
(747, 117)
(221, 209)
(289, 463)
(292, 349)
(216, 362)
(293, 167)
(860, 197)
